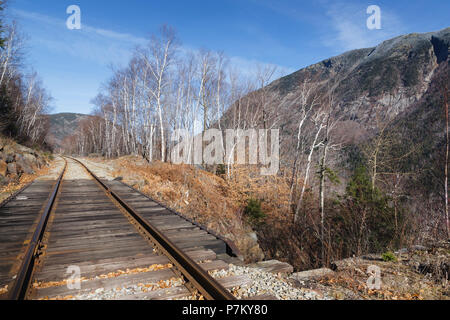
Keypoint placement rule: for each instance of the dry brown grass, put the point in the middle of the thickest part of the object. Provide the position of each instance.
(209, 199)
(398, 282)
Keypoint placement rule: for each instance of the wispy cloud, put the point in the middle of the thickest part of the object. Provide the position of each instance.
(348, 29)
(95, 44)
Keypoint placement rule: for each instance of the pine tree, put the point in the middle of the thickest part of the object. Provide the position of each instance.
(368, 219)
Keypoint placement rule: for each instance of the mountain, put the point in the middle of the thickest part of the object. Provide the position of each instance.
(395, 84)
(63, 125)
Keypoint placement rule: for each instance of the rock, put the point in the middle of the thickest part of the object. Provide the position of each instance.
(418, 248)
(30, 158)
(23, 166)
(312, 274)
(118, 179)
(273, 266)
(12, 168)
(24, 150)
(346, 263)
(249, 247)
(41, 163)
(9, 158)
(18, 157)
(372, 257)
(137, 183)
(3, 181)
(253, 236)
(3, 168)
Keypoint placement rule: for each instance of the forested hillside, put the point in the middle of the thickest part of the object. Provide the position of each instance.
(62, 126)
(24, 102)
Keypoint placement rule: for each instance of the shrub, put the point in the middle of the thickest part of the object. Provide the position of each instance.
(364, 221)
(253, 210)
(388, 256)
(221, 170)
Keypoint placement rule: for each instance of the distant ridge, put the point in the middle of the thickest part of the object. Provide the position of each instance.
(63, 125)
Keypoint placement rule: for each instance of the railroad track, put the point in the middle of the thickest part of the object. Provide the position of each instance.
(82, 235)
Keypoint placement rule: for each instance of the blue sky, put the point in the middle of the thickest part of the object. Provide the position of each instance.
(290, 34)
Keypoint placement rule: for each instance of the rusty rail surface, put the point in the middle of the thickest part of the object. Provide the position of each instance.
(191, 271)
(22, 283)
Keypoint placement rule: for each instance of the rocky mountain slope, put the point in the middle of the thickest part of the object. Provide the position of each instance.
(395, 84)
(63, 125)
(389, 80)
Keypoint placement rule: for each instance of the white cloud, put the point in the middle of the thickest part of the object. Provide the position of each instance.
(98, 45)
(349, 30)
(104, 46)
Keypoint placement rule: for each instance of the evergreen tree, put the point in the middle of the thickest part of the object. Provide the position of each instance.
(365, 221)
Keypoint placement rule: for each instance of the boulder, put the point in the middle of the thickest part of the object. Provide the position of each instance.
(30, 158)
(18, 157)
(41, 163)
(253, 235)
(12, 168)
(23, 149)
(9, 158)
(418, 248)
(312, 274)
(3, 181)
(24, 167)
(3, 168)
(273, 266)
(249, 247)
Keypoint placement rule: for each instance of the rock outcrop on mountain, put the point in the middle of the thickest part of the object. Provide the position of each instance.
(387, 81)
(396, 83)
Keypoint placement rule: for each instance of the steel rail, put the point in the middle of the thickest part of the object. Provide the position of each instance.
(231, 248)
(15, 194)
(199, 278)
(22, 283)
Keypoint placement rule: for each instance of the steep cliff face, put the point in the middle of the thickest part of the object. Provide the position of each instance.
(372, 85)
(396, 83)
(384, 82)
